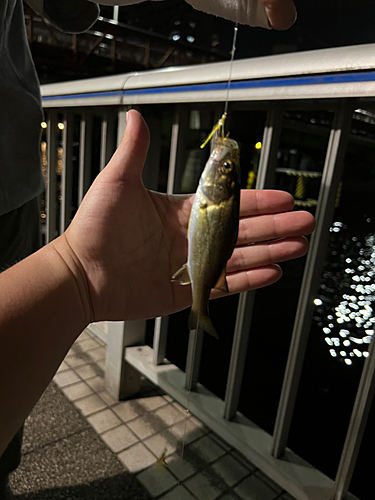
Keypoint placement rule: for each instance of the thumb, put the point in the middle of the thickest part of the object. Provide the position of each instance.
(130, 156)
(281, 13)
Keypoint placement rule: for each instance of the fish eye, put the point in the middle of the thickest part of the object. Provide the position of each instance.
(227, 166)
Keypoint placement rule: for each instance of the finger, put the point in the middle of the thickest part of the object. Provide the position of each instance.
(265, 254)
(281, 13)
(250, 280)
(270, 227)
(267, 201)
(130, 156)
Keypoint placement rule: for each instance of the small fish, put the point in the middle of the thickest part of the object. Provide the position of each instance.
(213, 230)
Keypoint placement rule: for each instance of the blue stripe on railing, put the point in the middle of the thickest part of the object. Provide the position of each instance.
(245, 84)
(85, 95)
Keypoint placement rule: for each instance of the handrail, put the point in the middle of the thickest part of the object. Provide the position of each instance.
(314, 62)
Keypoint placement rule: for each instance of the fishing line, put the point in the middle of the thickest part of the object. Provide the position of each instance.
(219, 125)
(231, 66)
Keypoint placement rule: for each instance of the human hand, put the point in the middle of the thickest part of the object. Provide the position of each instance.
(126, 242)
(281, 13)
(277, 14)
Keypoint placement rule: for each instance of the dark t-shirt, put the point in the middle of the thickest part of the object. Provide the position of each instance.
(21, 178)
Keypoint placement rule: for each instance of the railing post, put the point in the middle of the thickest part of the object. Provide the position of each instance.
(85, 153)
(51, 225)
(315, 258)
(176, 159)
(267, 166)
(357, 425)
(67, 172)
(108, 139)
(121, 379)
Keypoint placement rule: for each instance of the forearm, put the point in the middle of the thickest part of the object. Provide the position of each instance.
(42, 311)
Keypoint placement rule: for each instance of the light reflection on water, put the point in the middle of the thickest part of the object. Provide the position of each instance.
(344, 306)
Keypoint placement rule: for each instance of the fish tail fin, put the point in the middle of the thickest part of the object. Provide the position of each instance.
(197, 319)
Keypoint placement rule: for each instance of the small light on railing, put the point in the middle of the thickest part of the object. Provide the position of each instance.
(43, 125)
(61, 126)
(258, 145)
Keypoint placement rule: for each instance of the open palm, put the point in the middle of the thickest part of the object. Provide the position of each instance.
(129, 241)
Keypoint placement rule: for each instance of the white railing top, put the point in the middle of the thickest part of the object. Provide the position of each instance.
(112, 89)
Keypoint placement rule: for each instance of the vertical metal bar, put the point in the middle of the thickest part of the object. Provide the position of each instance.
(270, 147)
(115, 12)
(85, 152)
(121, 379)
(176, 163)
(103, 142)
(160, 339)
(67, 172)
(175, 136)
(315, 259)
(121, 123)
(51, 226)
(357, 425)
(108, 139)
(267, 165)
(194, 356)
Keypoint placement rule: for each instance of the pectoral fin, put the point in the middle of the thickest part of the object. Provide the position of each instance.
(222, 282)
(182, 276)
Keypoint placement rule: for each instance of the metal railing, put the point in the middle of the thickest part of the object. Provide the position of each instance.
(127, 354)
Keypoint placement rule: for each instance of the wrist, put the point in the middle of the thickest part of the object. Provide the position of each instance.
(64, 260)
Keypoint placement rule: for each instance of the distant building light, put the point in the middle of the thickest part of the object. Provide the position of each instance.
(190, 39)
(176, 37)
(61, 126)
(43, 125)
(348, 361)
(258, 145)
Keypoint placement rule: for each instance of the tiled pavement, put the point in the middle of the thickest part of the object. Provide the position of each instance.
(63, 457)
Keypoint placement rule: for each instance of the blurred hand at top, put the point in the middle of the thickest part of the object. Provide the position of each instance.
(277, 14)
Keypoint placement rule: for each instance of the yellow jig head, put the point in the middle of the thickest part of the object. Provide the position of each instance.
(161, 460)
(219, 124)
